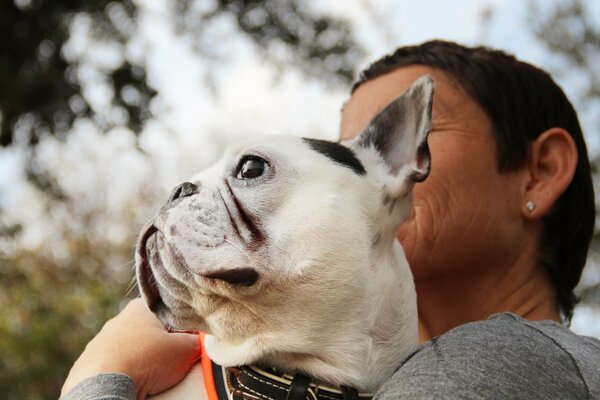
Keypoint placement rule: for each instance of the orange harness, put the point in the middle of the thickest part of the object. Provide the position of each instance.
(207, 373)
(255, 383)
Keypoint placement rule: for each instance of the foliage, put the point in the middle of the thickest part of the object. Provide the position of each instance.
(48, 312)
(323, 46)
(42, 88)
(569, 32)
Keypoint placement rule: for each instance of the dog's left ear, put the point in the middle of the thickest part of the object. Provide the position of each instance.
(398, 134)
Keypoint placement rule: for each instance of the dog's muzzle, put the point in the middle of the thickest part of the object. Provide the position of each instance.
(150, 263)
(164, 273)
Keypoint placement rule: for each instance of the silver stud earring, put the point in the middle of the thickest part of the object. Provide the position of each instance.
(530, 206)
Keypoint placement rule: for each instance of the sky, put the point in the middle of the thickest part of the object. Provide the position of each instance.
(194, 122)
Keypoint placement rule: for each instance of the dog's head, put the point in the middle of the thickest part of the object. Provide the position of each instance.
(287, 236)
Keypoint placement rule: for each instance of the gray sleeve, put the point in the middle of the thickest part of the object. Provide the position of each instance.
(499, 358)
(103, 387)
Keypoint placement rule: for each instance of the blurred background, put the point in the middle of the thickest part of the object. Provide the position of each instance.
(106, 105)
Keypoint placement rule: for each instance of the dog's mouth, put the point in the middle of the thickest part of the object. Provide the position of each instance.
(149, 285)
(233, 278)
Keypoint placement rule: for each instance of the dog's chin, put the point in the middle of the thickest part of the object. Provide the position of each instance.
(176, 313)
(174, 324)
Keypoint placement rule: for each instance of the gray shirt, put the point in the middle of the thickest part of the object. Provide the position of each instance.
(504, 357)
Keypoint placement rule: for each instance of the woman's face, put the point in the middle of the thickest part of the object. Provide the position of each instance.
(466, 216)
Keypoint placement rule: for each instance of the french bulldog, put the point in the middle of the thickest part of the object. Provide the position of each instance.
(284, 252)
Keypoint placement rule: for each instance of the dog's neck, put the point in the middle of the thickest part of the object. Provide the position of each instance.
(364, 355)
(360, 351)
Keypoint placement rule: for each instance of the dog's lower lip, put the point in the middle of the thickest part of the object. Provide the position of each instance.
(170, 329)
(150, 288)
(152, 293)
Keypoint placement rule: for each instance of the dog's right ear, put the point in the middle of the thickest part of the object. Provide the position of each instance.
(398, 135)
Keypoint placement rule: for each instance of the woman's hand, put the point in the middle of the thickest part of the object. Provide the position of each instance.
(136, 344)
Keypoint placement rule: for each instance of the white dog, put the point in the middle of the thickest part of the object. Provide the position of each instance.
(285, 253)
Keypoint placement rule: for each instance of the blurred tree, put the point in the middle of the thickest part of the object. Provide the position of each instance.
(321, 46)
(569, 33)
(39, 86)
(55, 297)
(42, 94)
(48, 312)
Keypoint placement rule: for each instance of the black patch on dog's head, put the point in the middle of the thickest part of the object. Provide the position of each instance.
(338, 153)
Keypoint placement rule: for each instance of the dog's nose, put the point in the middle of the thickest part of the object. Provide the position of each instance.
(184, 190)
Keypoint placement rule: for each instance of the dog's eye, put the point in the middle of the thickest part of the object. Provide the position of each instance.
(251, 167)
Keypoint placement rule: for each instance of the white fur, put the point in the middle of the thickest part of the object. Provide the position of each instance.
(335, 297)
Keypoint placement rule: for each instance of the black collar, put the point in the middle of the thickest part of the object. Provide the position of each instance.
(253, 383)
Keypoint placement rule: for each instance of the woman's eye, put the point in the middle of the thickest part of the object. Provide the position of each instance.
(252, 167)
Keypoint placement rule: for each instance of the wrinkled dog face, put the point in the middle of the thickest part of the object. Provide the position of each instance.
(244, 235)
(285, 231)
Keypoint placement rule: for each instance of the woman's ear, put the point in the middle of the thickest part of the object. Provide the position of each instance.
(550, 167)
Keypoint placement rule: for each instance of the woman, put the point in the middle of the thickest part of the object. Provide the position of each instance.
(502, 225)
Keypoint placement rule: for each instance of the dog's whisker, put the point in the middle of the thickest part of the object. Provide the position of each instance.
(132, 285)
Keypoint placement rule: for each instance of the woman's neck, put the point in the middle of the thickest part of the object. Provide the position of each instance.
(445, 305)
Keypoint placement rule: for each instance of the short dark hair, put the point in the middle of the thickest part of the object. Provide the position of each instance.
(521, 101)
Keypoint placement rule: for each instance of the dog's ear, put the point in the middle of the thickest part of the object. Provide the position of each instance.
(398, 134)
